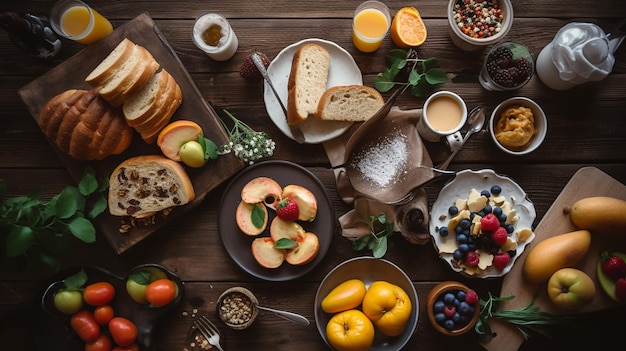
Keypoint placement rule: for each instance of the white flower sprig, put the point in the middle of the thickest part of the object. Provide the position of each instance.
(247, 144)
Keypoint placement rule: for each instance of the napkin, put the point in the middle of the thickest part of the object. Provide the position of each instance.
(410, 219)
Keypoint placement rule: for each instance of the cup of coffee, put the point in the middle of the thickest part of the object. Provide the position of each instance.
(444, 113)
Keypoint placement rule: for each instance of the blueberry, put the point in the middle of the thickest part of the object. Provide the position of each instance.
(448, 324)
(502, 218)
(438, 306)
(459, 229)
(462, 238)
(456, 317)
(460, 295)
(465, 223)
(465, 319)
(464, 308)
(509, 228)
(487, 209)
(464, 248)
(485, 193)
(453, 210)
(497, 211)
(448, 298)
(472, 215)
(443, 231)
(457, 255)
(496, 189)
(440, 318)
(481, 213)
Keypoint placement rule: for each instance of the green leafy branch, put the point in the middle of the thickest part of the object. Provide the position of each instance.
(376, 241)
(33, 229)
(419, 74)
(528, 320)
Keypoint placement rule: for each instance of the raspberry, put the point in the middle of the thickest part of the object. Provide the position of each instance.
(472, 259)
(489, 223)
(471, 297)
(449, 311)
(500, 260)
(620, 289)
(499, 236)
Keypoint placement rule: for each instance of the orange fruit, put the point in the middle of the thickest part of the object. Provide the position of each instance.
(407, 28)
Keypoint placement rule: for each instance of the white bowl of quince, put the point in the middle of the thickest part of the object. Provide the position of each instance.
(481, 222)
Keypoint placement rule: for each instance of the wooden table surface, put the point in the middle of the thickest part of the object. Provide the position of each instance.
(587, 127)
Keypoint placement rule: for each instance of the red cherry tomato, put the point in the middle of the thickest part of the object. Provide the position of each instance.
(85, 326)
(161, 292)
(103, 314)
(98, 294)
(123, 331)
(133, 347)
(102, 343)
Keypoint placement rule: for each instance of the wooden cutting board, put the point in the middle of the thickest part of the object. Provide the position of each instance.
(587, 182)
(71, 74)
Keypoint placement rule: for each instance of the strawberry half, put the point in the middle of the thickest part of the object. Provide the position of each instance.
(620, 289)
(613, 265)
(500, 260)
(287, 210)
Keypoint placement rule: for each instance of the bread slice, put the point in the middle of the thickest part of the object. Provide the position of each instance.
(307, 81)
(144, 185)
(129, 76)
(353, 103)
(117, 57)
(139, 106)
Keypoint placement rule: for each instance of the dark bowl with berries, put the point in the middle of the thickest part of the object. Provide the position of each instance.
(472, 29)
(507, 66)
(453, 308)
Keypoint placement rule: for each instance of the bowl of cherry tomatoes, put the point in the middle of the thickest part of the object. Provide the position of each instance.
(103, 310)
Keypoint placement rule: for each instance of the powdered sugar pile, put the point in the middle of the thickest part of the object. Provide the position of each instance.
(382, 163)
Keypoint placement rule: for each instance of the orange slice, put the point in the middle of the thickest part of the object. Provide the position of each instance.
(407, 28)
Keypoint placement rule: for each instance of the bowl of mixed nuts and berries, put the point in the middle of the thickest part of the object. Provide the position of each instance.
(475, 24)
(236, 307)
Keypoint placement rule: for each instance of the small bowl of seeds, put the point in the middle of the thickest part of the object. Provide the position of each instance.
(476, 24)
(236, 307)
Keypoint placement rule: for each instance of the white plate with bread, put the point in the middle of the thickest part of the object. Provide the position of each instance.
(343, 71)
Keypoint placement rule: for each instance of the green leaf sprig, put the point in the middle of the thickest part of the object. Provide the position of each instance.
(376, 241)
(33, 230)
(419, 74)
(528, 320)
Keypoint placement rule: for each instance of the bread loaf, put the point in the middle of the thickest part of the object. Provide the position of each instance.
(117, 78)
(149, 110)
(144, 185)
(354, 103)
(84, 125)
(307, 82)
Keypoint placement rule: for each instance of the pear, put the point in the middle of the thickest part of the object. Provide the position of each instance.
(552, 254)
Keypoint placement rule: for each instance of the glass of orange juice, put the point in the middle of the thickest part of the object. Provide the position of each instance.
(370, 25)
(75, 20)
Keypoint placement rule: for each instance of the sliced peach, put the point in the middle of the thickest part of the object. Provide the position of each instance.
(265, 254)
(175, 134)
(246, 222)
(262, 189)
(307, 203)
(283, 229)
(306, 250)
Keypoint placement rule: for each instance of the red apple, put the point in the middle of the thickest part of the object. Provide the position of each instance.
(571, 289)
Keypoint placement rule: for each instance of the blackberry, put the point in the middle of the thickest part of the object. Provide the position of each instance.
(504, 78)
(492, 67)
(502, 53)
(523, 69)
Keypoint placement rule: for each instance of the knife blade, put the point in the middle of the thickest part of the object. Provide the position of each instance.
(295, 130)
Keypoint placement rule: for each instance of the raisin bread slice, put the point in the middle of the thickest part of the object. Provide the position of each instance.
(144, 185)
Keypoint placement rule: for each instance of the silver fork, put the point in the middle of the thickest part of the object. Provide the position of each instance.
(209, 331)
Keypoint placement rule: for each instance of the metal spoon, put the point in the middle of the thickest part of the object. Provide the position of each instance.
(476, 121)
(290, 316)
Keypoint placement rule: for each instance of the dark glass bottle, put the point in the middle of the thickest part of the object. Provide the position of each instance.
(31, 33)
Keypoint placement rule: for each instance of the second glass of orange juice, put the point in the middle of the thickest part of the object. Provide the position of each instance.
(75, 20)
(370, 25)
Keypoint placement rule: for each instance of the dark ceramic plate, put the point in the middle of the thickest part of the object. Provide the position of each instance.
(238, 244)
(145, 317)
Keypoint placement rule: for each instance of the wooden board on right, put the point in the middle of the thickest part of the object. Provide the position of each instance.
(587, 182)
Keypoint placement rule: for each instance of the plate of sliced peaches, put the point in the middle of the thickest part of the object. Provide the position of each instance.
(276, 220)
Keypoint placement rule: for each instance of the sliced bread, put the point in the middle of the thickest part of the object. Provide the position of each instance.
(307, 82)
(145, 102)
(103, 71)
(353, 103)
(144, 185)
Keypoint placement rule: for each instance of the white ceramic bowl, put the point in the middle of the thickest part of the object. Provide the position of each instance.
(369, 270)
(541, 124)
(467, 43)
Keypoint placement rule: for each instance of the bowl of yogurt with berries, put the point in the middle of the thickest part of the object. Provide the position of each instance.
(481, 223)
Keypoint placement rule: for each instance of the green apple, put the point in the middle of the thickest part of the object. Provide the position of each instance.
(608, 284)
(138, 282)
(192, 154)
(68, 301)
(571, 289)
